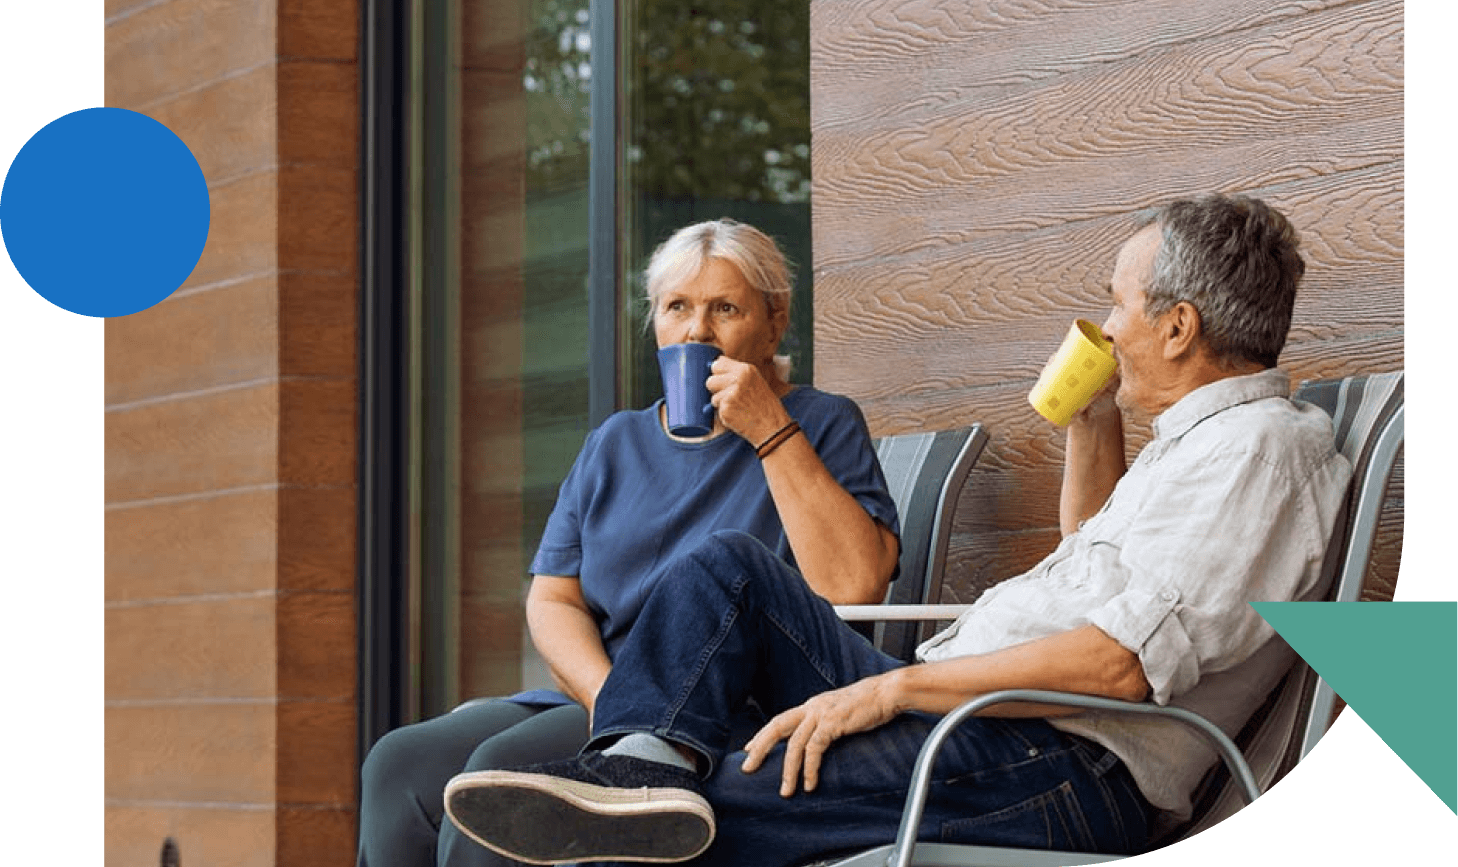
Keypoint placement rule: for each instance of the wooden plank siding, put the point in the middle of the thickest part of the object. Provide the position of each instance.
(977, 166)
(231, 449)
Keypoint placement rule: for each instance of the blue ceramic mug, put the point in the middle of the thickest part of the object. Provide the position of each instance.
(685, 371)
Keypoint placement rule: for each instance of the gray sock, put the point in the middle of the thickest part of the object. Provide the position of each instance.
(641, 745)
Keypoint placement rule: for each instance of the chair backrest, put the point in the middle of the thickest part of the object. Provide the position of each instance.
(925, 472)
(1367, 418)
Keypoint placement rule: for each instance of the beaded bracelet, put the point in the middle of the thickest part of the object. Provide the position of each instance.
(776, 438)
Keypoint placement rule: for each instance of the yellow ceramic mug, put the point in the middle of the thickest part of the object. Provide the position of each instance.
(1074, 374)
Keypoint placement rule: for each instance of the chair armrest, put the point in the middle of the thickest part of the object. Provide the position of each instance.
(921, 777)
(899, 612)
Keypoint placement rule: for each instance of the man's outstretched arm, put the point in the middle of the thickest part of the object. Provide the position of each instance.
(1083, 660)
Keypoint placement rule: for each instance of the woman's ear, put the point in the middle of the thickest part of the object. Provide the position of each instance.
(779, 321)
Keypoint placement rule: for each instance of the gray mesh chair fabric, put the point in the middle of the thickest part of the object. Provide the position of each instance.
(925, 472)
(1367, 413)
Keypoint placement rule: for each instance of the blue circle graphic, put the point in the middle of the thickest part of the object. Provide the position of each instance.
(104, 212)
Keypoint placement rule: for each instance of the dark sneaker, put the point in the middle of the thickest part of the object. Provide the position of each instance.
(591, 808)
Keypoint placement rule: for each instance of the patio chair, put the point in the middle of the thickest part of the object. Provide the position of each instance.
(1367, 413)
(925, 473)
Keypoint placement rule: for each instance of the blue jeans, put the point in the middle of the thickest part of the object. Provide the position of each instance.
(732, 621)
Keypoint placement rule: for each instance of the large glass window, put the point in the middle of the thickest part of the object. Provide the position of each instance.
(711, 102)
(716, 123)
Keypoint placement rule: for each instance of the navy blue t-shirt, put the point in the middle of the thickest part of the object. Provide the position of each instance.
(636, 500)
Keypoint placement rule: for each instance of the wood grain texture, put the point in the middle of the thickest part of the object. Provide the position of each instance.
(210, 752)
(318, 30)
(1250, 109)
(193, 341)
(212, 835)
(165, 49)
(217, 545)
(888, 57)
(994, 309)
(231, 538)
(978, 166)
(213, 441)
(210, 648)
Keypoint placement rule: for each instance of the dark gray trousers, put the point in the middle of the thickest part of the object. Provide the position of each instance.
(401, 814)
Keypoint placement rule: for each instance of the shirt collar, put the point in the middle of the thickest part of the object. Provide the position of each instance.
(1220, 395)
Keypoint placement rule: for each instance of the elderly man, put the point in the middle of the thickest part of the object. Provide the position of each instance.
(1146, 597)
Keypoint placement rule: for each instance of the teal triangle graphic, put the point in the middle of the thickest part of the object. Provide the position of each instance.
(1396, 665)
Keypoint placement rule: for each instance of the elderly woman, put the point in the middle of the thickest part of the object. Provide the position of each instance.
(790, 465)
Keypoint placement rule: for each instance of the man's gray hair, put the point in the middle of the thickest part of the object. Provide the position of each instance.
(1235, 260)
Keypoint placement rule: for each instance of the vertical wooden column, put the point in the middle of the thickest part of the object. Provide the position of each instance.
(230, 437)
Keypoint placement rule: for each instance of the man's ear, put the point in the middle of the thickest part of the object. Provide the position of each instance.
(1180, 327)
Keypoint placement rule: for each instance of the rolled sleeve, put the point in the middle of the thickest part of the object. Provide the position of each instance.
(560, 550)
(1144, 623)
(566, 562)
(1194, 563)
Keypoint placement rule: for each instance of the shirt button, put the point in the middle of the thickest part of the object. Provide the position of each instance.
(1167, 596)
(1032, 752)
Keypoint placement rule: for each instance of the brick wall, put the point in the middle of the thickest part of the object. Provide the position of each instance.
(230, 449)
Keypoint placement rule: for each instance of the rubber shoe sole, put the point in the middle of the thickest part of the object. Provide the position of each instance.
(542, 819)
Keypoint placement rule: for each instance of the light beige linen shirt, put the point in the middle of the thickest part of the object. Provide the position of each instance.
(1231, 502)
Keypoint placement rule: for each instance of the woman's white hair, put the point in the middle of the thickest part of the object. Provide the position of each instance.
(680, 258)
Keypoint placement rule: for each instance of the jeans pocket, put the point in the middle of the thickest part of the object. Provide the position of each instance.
(1051, 820)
